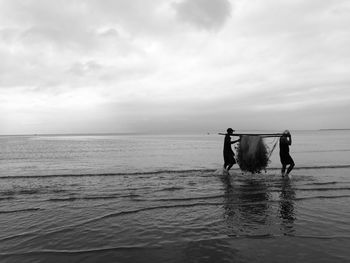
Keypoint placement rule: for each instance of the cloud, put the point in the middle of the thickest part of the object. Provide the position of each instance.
(204, 14)
(172, 64)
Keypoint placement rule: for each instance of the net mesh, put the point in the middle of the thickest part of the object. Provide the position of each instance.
(252, 154)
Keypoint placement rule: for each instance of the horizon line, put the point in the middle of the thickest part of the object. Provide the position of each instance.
(148, 133)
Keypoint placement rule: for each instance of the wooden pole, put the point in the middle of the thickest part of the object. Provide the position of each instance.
(255, 134)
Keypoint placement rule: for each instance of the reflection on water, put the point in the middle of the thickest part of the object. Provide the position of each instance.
(177, 217)
(253, 199)
(230, 205)
(286, 207)
(250, 209)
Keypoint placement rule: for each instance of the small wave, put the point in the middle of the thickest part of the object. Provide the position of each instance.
(321, 167)
(9, 194)
(19, 210)
(20, 235)
(261, 236)
(174, 188)
(82, 251)
(326, 151)
(204, 204)
(108, 174)
(68, 199)
(148, 209)
(322, 237)
(71, 199)
(130, 195)
(116, 214)
(95, 219)
(102, 197)
(321, 183)
(324, 189)
(321, 197)
(163, 172)
(316, 167)
(6, 198)
(29, 191)
(190, 198)
(269, 236)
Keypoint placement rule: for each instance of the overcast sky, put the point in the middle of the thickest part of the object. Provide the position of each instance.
(73, 66)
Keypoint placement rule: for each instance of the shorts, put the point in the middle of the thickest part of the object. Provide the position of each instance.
(229, 158)
(286, 159)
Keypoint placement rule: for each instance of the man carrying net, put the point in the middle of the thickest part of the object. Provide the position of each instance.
(285, 141)
(229, 159)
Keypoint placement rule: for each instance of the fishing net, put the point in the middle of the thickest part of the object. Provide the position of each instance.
(252, 154)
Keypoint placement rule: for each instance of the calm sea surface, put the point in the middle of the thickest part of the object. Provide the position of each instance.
(98, 154)
(147, 198)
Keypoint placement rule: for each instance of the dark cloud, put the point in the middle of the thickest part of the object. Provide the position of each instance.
(204, 14)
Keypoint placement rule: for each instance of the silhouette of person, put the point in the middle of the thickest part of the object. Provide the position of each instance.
(229, 159)
(286, 159)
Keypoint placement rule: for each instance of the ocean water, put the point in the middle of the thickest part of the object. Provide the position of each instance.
(148, 198)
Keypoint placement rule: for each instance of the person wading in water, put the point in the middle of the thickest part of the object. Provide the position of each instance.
(285, 141)
(229, 159)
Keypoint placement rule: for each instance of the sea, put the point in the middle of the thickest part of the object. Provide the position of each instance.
(164, 198)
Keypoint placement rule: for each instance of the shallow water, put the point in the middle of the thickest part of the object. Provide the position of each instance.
(179, 208)
(177, 217)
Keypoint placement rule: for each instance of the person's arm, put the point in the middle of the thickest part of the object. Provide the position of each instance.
(289, 139)
(236, 141)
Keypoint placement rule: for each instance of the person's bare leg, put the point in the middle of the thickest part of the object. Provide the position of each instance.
(225, 171)
(290, 168)
(283, 170)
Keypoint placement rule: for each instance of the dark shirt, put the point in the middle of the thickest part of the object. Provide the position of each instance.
(284, 145)
(227, 145)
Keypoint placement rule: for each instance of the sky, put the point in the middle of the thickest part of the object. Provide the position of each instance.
(170, 66)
